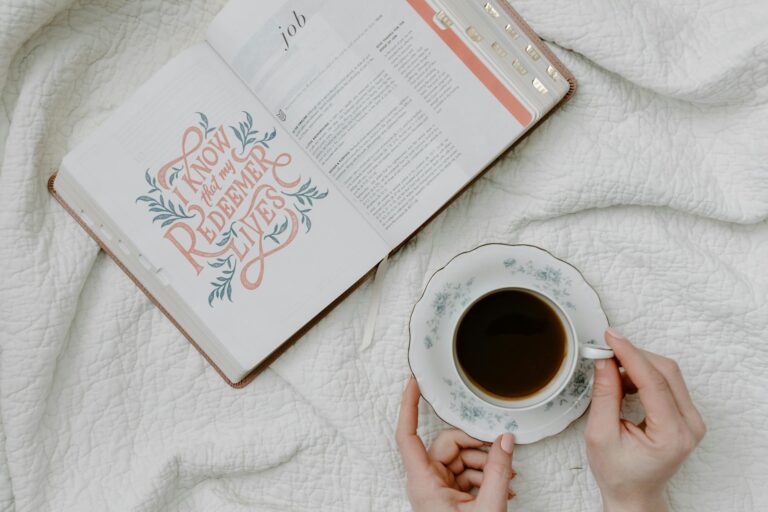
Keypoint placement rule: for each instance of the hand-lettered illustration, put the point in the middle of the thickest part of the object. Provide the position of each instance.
(229, 202)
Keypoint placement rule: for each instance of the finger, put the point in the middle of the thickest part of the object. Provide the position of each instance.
(497, 473)
(474, 459)
(627, 385)
(652, 386)
(468, 458)
(446, 447)
(636, 430)
(468, 479)
(412, 450)
(472, 478)
(674, 376)
(605, 411)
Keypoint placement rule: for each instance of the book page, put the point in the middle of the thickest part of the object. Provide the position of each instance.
(399, 115)
(193, 177)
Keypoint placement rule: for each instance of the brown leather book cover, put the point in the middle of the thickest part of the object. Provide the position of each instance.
(541, 46)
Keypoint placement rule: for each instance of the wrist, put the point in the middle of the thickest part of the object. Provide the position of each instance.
(649, 503)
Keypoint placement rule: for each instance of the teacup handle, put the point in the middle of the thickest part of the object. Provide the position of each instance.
(595, 352)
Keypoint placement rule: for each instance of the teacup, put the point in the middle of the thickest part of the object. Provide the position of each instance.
(556, 378)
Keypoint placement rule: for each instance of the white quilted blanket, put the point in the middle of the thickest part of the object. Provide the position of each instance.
(653, 180)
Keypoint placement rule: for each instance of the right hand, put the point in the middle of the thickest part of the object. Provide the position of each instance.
(633, 463)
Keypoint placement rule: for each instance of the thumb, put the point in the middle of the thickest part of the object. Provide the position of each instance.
(497, 473)
(605, 413)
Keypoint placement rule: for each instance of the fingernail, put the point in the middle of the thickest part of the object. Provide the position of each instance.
(615, 334)
(507, 442)
(600, 364)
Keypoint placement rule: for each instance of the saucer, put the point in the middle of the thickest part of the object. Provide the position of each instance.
(451, 289)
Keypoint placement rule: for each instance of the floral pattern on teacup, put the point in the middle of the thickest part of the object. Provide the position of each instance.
(445, 304)
(550, 278)
(466, 407)
(579, 387)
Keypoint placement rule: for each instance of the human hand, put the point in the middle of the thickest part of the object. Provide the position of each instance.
(633, 463)
(440, 479)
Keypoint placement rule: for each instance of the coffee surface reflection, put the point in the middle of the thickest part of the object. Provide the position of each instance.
(511, 344)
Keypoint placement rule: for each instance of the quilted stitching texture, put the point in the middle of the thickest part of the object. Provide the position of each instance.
(652, 181)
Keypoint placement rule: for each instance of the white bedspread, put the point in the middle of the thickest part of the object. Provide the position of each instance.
(653, 181)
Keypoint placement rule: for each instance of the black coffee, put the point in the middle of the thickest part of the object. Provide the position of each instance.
(511, 344)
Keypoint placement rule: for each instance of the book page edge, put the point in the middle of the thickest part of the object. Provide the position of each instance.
(543, 48)
(133, 278)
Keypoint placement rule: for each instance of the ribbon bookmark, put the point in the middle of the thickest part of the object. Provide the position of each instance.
(373, 306)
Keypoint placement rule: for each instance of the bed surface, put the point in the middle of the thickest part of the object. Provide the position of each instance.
(653, 181)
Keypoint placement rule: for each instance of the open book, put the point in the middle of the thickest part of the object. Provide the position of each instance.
(259, 176)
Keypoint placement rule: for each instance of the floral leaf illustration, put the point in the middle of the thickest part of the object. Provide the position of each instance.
(248, 137)
(204, 124)
(305, 196)
(267, 138)
(168, 213)
(227, 235)
(305, 220)
(152, 182)
(174, 174)
(278, 230)
(239, 137)
(222, 286)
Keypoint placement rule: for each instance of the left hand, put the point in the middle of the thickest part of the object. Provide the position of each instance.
(441, 478)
